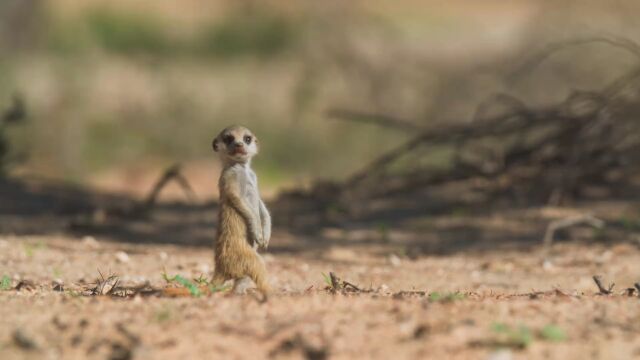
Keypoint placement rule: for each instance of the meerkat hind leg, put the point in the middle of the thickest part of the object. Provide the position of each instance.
(258, 273)
(218, 280)
(241, 285)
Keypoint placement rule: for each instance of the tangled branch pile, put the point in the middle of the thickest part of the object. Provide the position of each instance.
(591, 139)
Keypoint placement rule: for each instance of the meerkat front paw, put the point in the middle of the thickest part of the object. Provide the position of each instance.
(265, 241)
(257, 238)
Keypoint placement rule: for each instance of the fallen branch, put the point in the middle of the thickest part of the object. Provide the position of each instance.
(524, 152)
(335, 283)
(171, 173)
(350, 285)
(376, 119)
(602, 291)
(550, 49)
(556, 225)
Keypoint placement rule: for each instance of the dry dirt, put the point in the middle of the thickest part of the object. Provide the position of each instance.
(458, 284)
(476, 304)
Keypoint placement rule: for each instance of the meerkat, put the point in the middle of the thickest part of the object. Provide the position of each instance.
(244, 223)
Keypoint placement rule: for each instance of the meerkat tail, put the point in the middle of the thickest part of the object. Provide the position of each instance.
(257, 271)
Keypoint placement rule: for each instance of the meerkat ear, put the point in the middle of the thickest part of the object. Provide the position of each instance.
(214, 144)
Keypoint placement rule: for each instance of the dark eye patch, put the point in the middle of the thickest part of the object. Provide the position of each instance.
(247, 139)
(228, 139)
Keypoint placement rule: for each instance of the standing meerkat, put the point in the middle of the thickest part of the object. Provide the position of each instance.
(244, 222)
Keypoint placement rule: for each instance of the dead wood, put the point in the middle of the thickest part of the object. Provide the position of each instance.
(173, 172)
(375, 119)
(542, 154)
(105, 286)
(602, 290)
(336, 286)
(560, 224)
(341, 286)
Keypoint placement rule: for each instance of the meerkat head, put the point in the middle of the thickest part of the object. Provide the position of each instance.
(236, 144)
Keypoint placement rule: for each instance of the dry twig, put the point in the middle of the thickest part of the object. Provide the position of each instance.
(105, 286)
(556, 225)
(335, 283)
(602, 291)
(171, 173)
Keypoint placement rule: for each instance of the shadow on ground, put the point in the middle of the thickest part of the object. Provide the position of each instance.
(413, 226)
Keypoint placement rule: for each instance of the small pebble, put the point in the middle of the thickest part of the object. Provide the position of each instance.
(122, 257)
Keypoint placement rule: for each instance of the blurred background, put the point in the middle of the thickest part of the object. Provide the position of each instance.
(115, 91)
(464, 172)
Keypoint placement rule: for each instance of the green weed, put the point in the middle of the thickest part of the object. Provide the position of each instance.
(5, 283)
(163, 315)
(30, 249)
(553, 333)
(327, 279)
(448, 297)
(519, 337)
(201, 280)
(193, 288)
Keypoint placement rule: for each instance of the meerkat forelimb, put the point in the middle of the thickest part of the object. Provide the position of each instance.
(244, 221)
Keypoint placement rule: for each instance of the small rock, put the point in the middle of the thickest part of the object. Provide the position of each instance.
(122, 257)
(204, 268)
(406, 328)
(383, 288)
(394, 260)
(90, 242)
(58, 285)
(421, 331)
(120, 352)
(26, 285)
(23, 341)
(163, 256)
(59, 323)
(104, 287)
(500, 355)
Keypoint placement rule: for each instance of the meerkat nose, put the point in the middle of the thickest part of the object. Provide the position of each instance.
(238, 145)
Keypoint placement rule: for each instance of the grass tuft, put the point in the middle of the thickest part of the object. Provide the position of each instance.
(446, 297)
(327, 279)
(553, 333)
(5, 283)
(193, 288)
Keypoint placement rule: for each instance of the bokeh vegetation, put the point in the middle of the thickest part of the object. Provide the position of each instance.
(112, 85)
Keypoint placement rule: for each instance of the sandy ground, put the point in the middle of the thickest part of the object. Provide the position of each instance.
(505, 304)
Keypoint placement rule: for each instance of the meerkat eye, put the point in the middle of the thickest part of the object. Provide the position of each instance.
(247, 139)
(228, 139)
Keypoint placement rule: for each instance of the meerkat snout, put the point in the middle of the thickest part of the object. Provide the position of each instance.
(236, 144)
